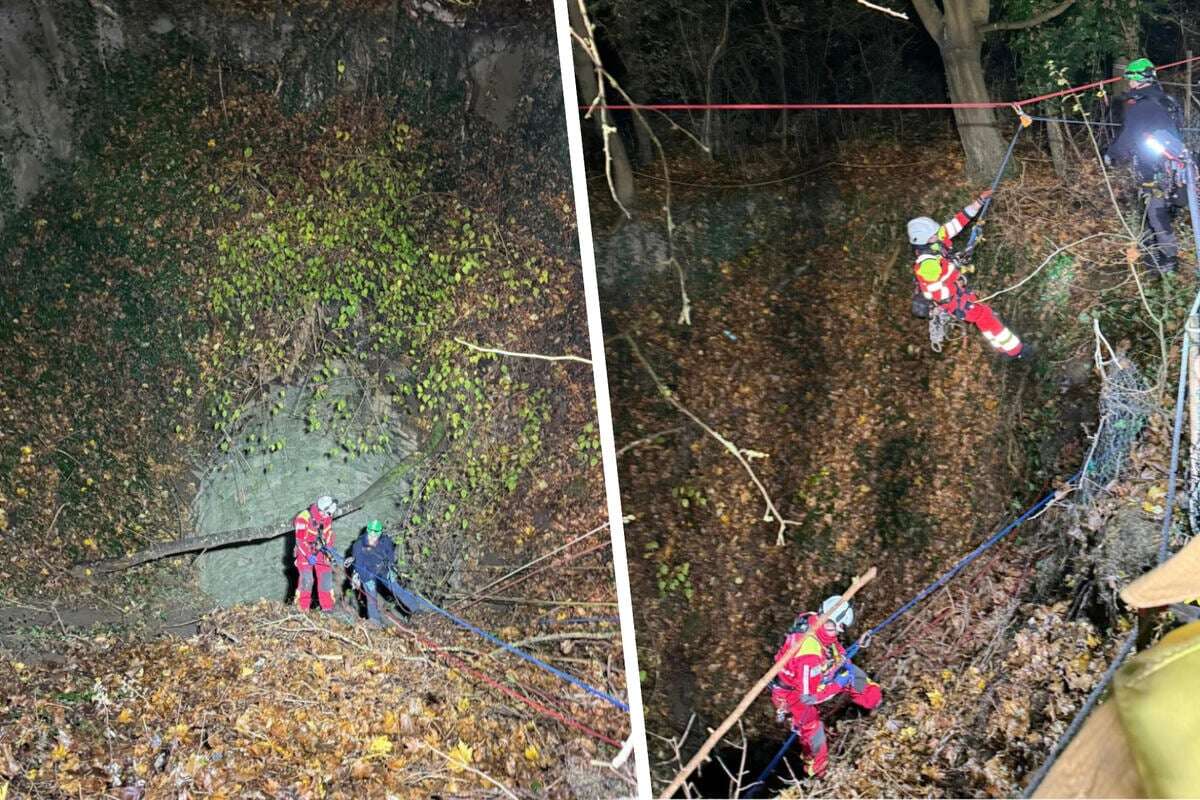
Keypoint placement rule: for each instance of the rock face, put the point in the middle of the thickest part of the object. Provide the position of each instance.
(37, 125)
(444, 71)
(719, 227)
(280, 465)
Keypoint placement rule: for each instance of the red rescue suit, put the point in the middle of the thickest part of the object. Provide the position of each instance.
(808, 680)
(313, 527)
(940, 280)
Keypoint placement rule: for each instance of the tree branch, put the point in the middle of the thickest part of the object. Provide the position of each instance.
(521, 355)
(1032, 22)
(270, 530)
(743, 456)
(883, 9)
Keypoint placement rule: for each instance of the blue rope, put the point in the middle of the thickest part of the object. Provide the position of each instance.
(957, 568)
(1183, 371)
(417, 602)
(752, 790)
(853, 649)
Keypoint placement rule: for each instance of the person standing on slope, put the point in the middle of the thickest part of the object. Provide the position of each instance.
(819, 671)
(314, 535)
(373, 558)
(1150, 141)
(940, 279)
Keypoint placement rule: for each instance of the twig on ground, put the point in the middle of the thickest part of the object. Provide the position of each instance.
(648, 439)
(556, 637)
(772, 513)
(882, 9)
(580, 359)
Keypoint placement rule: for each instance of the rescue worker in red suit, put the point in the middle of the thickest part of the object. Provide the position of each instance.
(816, 673)
(314, 527)
(940, 279)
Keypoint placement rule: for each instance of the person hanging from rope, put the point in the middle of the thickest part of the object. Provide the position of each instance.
(1150, 142)
(314, 536)
(819, 672)
(940, 278)
(373, 559)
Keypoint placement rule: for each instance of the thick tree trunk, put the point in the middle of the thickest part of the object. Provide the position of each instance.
(617, 159)
(962, 55)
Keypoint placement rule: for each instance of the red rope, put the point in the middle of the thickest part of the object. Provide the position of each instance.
(863, 106)
(463, 666)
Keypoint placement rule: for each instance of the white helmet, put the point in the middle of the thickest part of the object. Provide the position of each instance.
(922, 230)
(843, 617)
(327, 505)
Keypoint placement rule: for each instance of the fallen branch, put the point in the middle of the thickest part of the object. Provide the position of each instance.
(555, 637)
(646, 440)
(756, 690)
(742, 456)
(255, 533)
(888, 11)
(479, 592)
(580, 359)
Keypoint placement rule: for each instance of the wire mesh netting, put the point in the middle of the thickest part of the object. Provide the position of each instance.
(1125, 405)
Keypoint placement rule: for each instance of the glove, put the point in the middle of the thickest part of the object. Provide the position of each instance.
(781, 714)
(312, 560)
(356, 581)
(347, 561)
(984, 195)
(1108, 162)
(391, 575)
(843, 677)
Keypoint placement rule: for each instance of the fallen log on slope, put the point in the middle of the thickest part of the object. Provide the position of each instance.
(255, 533)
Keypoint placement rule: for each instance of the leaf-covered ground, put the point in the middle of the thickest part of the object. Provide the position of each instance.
(265, 702)
(803, 353)
(211, 248)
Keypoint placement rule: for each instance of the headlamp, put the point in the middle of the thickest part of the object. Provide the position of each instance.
(1154, 145)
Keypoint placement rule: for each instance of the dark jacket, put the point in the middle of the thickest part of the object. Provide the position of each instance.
(1146, 111)
(373, 562)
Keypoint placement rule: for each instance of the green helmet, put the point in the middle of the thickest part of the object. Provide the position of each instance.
(1141, 69)
(374, 528)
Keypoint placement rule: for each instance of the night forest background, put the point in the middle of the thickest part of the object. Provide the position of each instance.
(781, 420)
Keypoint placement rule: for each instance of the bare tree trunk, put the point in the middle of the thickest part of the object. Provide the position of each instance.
(780, 70)
(589, 91)
(958, 32)
(1058, 149)
(709, 77)
(962, 55)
